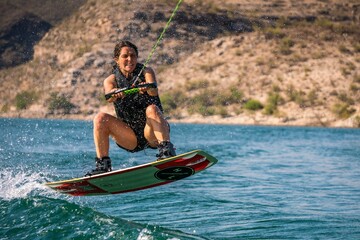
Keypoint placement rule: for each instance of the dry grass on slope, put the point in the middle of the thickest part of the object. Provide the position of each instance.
(303, 73)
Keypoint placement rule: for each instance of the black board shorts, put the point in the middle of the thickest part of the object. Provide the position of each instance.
(141, 140)
(142, 143)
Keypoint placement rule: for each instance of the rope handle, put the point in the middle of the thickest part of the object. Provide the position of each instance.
(130, 90)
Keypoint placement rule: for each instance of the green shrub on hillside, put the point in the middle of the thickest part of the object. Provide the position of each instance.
(312, 98)
(59, 103)
(222, 111)
(253, 105)
(236, 95)
(25, 99)
(205, 98)
(344, 97)
(172, 100)
(299, 97)
(168, 102)
(343, 110)
(212, 101)
(228, 97)
(274, 99)
(302, 98)
(5, 108)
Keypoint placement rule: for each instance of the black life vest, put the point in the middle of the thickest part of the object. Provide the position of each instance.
(131, 108)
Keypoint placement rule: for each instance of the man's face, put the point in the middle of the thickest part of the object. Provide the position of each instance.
(127, 60)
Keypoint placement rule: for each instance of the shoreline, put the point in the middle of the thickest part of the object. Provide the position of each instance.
(239, 120)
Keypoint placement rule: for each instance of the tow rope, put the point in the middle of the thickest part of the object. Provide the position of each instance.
(157, 42)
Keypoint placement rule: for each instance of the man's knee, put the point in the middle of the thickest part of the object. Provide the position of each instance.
(152, 111)
(100, 119)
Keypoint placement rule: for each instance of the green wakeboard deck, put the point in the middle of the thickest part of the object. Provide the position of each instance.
(138, 177)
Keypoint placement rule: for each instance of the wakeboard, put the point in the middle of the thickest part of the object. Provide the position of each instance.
(139, 177)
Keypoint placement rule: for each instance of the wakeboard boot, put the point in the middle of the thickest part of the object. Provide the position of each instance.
(166, 150)
(103, 165)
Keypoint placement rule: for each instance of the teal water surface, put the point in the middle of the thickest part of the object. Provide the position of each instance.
(269, 183)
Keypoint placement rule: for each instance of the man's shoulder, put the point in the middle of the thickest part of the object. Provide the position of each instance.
(110, 78)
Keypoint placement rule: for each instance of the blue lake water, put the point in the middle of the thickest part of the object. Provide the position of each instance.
(269, 183)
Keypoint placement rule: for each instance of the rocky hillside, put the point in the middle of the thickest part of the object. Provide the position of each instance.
(247, 62)
(24, 23)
